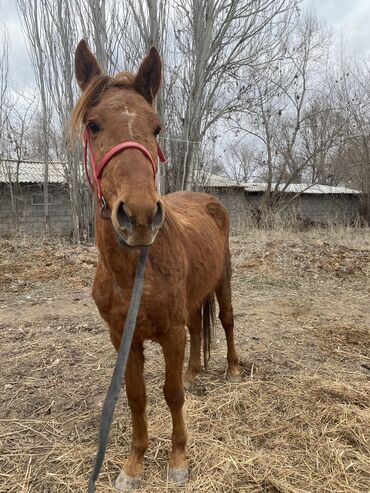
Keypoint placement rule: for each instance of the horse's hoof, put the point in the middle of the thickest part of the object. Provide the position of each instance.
(127, 483)
(179, 476)
(188, 386)
(234, 378)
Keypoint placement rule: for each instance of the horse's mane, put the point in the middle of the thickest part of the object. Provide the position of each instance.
(92, 94)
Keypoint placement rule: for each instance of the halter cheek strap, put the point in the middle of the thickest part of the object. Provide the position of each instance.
(97, 169)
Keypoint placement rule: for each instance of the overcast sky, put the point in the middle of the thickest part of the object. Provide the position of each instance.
(348, 18)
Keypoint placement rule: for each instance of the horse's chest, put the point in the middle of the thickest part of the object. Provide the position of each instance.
(156, 311)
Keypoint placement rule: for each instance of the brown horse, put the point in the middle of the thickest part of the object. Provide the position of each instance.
(188, 262)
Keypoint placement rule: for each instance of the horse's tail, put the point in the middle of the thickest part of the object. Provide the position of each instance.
(208, 321)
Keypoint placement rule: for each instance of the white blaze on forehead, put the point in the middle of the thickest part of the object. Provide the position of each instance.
(130, 115)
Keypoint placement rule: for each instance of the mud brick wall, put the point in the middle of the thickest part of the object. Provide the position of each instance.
(319, 208)
(27, 214)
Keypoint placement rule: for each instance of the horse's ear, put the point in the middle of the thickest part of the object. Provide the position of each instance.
(148, 78)
(86, 66)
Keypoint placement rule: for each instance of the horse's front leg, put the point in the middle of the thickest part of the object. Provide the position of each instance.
(173, 345)
(131, 475)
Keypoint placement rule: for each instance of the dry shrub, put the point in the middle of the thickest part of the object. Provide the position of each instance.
(336, 251)
(41, 260)
(267, 219)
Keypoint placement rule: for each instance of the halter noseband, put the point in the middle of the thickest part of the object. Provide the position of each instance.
(98, 168)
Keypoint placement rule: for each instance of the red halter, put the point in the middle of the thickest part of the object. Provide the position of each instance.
(98, 168)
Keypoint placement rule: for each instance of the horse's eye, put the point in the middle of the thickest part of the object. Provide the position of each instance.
(157, 130)
(93, 127)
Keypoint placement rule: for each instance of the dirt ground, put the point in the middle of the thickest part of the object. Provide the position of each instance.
(299, 422)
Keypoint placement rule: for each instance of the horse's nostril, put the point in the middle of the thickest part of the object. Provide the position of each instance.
(158, 216)
(124, 216)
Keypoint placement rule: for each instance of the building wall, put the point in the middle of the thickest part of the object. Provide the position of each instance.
(233, 199)
(322, 209)
(241, 206)
(330, 208)
(30, 216)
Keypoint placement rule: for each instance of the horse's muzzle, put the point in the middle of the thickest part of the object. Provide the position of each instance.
(137, 226)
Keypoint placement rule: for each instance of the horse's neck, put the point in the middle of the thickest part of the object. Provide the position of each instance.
(172, 227)
(119, 261)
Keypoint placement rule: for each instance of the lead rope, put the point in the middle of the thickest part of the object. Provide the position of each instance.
(119, 370)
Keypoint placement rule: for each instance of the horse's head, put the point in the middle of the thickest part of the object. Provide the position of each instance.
(114, 111)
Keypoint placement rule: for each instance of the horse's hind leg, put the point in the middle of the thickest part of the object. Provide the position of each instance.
(223, 294)
(173, 345)
(194, 364)
(132, 473)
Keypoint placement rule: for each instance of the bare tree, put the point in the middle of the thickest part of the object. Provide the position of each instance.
(353, 93)
(61, 33)
(4, 83)
(147, 24)
(97, 9)
(107, 28)
(322, 139)
(243, 162)
(32, 25)
(216, 40)
(17, 146)
(288, 103)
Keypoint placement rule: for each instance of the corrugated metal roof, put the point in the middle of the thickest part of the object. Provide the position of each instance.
(33, 172)
(30, 172)
(220, 181)
(298, 188)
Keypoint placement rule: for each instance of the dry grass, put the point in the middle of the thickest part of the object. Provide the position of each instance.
(298, 423)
